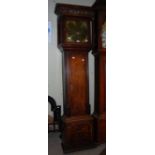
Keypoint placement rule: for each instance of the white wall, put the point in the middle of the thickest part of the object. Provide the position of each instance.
(54, 57)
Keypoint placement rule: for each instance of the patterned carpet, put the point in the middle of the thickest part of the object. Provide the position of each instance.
(54, 147)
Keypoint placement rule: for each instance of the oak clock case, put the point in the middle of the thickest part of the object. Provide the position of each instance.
(74, 41)
(99, 52)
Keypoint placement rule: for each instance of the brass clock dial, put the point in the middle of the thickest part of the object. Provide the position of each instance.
(76, 31)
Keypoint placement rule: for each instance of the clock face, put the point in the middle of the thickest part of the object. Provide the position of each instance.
(103, 35)
(77, 31)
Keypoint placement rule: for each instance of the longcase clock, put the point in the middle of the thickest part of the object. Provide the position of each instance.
(75, 41)
(99, 51)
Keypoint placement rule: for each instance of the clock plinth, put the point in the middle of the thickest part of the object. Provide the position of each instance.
(100, 128)
(78, 133)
